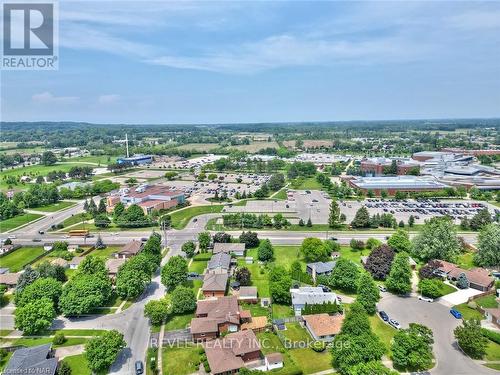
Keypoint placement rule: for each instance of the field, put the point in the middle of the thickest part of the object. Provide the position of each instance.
(16, 260)
(17, 221)
(54, 206)
(255, 147)
(306, 184)
(75, 219)
(200, 147)
(181, 361)
(95, 159)
(182, 217)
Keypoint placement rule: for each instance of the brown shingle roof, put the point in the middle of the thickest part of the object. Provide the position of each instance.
(132, 248)
(9, 278)
(248, 291)
(274, 357)
(215, 282)
(228, 247)
(204, 325)
(113, 264)
(324, 324)
(218, 308)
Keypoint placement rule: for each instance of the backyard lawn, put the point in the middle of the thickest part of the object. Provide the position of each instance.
(353, 255)
(487, 301)
(310, 361)
(182, 217)
(270, 343)
(106, 252)
(17, 221)
(55, 206)
(17, 259)
(281, 311)
(466, 261)
(78, 364)
(198, 266)
(181, 361)
(255, 308)
(295, 333)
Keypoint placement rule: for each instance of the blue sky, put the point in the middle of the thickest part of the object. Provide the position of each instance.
(219, 62)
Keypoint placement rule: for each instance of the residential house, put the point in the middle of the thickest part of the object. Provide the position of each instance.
(478, 278)
(493, 315)
(75, 262)
(34, 360)
(214, 284)
(9, 279)
(320, 268)
(113, 265)
(238, 350)
(219, 263)
(130, 249)
(248, 294)
(311, 296)
(216, 316)
(237, 249)
(323, 327)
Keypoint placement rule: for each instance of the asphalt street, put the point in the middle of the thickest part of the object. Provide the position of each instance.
(436, 316)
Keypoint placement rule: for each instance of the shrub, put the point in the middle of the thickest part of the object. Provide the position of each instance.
(318, 346)
(59, 338)
(492, 335)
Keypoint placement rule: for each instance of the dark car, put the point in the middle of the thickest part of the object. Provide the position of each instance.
(139, 367)
(384, 316)
(41, 231)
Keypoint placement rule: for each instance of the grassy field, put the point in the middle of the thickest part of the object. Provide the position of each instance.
(54, 206)
(281, 311)
(270, 343)
(306, 184)
(255, 147)
(255, 308)
(200, 147)
(295, 333)
(467, 312)
(75, 219)
(353, 255)
(311, 362)
(17, 221)
(182, 217)
(181, 361)
(96, 159)
(16, 260)
(34, 341)
(106, 252)
(198, 266)
(281, 194)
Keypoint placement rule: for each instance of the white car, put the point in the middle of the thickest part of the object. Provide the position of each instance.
(426, 299)
(382, 288)
(11, 237)
(394, 323)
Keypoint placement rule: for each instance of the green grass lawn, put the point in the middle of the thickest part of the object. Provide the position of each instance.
(75, 219)
(178, 321)
(198, 266)
(80, 332)
(182, 217)
(270, 343)
(447, 289)
(97, 159)
(310, 361)
(78, 364)
(383, 330)
(281, 311)
(295, 333)
(465, 261)
(106, 252)
(493, 352)
(5, 360)
(487, 301)
(17, 221)
(255, 308)
(353, 255)
(467, 312)
(16, 260)
(55, 206)
(33, 341)
(5, 332)
(281, 194)
(494, 366)
(306, 184)
(181, 361)
(151, 355)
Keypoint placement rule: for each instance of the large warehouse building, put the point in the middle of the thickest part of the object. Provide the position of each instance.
(398, 183)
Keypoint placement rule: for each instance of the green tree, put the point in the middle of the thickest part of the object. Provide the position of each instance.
(174, 272)
(411, 221)
(102, 351)
(158, 310)
(92, 265)
(42, 288)
(471, 339)
(399, 280)
(371, 368)
(63, 368)
(48, 158)
(488, 250)
(412, 348)
(368, 293)
(133, 277)
(481, 219)
(183, 300)
(345, 275)
(265, 252)
(250, 239)
(34, 316)
(437, 240)
(431, 288)
(314, 250)
(83, 293)
(204, 241)
(400, 241)
(102, 221)
(361, 219)
(189, 248)
(334, 217)
(243, 276)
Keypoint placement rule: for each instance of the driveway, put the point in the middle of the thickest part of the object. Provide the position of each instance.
(458, 297)
(436, 316)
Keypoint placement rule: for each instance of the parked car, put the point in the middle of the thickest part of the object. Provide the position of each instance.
(139, 368)
(384, 316)
(426, 299)
(37, 240)
(41, 231)
(382, 288)
(394, 323)
(457, 314)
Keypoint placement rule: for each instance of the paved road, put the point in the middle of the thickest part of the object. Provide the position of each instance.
(450, 360)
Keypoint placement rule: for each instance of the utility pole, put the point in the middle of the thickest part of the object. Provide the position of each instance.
(126, 143)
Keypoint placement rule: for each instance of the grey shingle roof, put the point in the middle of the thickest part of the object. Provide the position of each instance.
(322, 267)
(32, 361)
(311, 296)
(219, 260)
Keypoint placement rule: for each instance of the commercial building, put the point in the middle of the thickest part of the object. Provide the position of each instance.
(394, 184)
(378, 166)
(149, 198)
(138, 159)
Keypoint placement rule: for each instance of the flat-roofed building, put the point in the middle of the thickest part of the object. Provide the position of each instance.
(397, 183)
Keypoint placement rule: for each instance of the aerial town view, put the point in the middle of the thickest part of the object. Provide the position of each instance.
(250, 188)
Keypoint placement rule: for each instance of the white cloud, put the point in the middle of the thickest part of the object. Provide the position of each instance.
(48, 98)
(108, 99)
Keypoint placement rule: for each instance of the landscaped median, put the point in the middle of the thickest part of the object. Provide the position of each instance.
(18, 221)
(183, 216)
